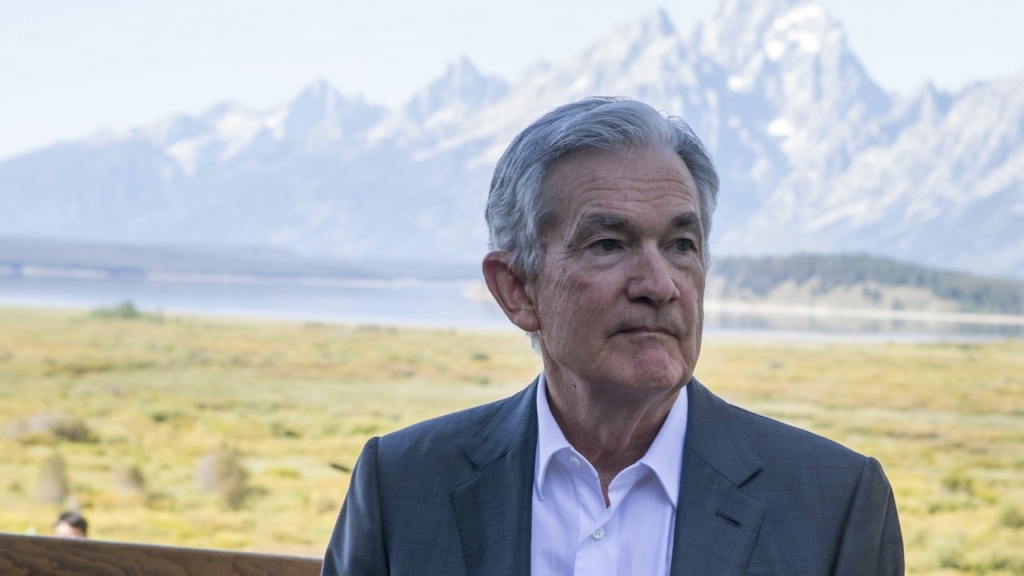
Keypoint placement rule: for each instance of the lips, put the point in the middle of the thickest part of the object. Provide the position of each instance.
(641, 330)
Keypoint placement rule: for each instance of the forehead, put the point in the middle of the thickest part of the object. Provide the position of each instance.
(63, 528)
(640, 180)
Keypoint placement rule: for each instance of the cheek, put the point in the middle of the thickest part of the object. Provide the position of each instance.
(568, 309)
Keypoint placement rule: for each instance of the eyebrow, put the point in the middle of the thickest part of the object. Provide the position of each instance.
(602, 221)
(595, 222)
(687, 220)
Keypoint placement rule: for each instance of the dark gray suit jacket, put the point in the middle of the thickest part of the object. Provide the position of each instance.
(452, 496)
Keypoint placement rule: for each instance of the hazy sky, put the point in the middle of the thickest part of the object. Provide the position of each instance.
(69, 68)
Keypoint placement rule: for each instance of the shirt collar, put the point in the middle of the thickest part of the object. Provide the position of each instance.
(664, 457)
(550, 438)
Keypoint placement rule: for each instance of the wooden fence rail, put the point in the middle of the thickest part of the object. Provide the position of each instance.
(44, 556)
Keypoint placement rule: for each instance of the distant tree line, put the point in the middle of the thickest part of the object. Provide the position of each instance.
(762, 275)
(133, 261)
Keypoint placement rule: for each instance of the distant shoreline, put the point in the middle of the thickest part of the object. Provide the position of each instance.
(469, 290)
(813, 311)
(711, 332)
(459, 303)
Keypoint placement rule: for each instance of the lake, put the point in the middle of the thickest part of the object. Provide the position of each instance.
(455, 304)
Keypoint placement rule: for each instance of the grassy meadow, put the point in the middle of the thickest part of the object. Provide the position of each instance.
(121, 414)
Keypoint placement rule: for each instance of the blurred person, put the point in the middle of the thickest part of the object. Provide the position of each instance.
(615, 460)
(71, 525)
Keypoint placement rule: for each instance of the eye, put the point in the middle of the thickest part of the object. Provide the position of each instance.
(606, 245)
(683, 245)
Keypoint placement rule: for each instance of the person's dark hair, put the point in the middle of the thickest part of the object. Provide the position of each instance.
(516, 207)
(73, 519)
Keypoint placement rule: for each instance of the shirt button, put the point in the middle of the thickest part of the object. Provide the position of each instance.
(599, 533)
(575, 461)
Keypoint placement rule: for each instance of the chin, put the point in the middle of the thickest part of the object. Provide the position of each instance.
(658, 380)
(657, 373)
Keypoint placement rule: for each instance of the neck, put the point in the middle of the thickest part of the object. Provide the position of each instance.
(610, 427)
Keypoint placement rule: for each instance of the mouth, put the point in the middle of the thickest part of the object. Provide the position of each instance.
(647, 330)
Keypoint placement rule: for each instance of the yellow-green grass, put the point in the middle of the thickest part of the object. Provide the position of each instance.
(945, 420)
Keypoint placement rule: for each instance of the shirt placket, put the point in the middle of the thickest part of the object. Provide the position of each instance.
(596, 552)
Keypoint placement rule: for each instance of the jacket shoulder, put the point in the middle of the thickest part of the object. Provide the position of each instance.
(455, 440)
(828, 509)
(777, 441)
(441, 433)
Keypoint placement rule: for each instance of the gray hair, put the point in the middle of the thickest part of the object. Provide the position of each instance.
(516, 209)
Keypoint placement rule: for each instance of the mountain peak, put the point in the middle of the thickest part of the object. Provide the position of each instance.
(462, 67)
(926, 103)
(650, 28)
(730, 9)
(316, 103)
(650, 38)
(318, 93)
(461, 85)
(656, 24)
(745, 30)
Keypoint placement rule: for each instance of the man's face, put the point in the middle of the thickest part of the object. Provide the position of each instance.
(619, 298)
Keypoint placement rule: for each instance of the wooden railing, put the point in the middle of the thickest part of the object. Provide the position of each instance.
(44, 556)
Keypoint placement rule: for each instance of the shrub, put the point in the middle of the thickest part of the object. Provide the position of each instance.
(958, 481)
(221, 471)
(53, 480)
(49, 427)
(130, 480)
(1012, 518)
(123, 311)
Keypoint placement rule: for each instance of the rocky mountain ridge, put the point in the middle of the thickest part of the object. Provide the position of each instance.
(814, 156)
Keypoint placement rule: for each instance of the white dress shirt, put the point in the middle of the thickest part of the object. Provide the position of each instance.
(574, 533)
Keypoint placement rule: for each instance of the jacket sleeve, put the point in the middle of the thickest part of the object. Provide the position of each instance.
(357, 544)
(872, 544)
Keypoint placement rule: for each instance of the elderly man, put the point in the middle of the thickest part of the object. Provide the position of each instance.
(615, 460)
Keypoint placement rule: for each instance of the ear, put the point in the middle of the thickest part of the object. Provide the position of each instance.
(509, 290)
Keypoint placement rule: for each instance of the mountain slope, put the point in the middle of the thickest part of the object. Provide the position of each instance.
(814, 156)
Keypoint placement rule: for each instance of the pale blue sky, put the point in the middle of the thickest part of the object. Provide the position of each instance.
(69, 68)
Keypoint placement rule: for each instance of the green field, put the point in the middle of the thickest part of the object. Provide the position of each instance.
(131, 406)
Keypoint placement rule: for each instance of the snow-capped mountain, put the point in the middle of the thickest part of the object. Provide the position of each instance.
(943, 183)
(814, 156)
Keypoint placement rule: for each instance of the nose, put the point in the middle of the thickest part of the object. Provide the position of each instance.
(651, 278)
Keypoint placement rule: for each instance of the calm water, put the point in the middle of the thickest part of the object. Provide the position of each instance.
(413, 303)
(400, 303)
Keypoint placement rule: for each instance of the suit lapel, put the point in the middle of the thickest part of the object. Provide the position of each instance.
(493, 509)
(716, 522)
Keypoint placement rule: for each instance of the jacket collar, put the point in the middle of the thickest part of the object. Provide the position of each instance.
(716, 522)
(493, 508)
